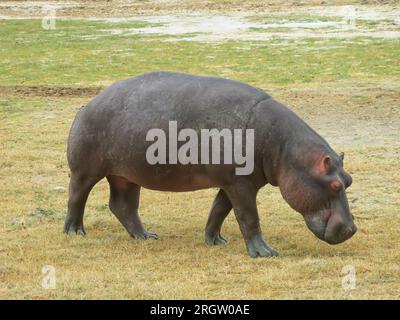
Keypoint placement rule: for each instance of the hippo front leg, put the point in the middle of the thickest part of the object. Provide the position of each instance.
(243, 199)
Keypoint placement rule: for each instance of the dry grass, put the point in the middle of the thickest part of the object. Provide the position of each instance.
(109, 264)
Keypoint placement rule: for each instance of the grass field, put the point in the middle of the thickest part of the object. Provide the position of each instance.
(345, 85)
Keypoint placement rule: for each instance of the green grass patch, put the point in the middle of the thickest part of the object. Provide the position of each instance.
(78, 54)
(373, 24)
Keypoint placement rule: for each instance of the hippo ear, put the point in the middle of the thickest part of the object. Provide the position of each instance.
(324, 165)
(327, 163)
(341, 155)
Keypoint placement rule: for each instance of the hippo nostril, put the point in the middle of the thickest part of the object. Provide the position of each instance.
(351, 230)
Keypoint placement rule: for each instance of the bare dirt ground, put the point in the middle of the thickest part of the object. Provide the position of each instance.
(43, 91)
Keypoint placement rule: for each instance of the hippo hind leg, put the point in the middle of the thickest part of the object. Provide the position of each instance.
(219, 211)
(79, 188)
(124, 203)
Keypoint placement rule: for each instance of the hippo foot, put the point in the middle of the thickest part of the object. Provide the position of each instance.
(144, 235)
(74, 228)
(257, 247)
(215, 240)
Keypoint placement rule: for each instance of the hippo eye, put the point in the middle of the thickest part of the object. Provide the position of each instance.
(336, 185)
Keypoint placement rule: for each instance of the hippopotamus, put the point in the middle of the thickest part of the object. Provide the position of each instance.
(109, 138)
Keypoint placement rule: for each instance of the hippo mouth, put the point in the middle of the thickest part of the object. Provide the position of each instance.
(331, 225)
(317, 222)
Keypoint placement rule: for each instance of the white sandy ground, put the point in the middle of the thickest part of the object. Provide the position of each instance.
(241, 26)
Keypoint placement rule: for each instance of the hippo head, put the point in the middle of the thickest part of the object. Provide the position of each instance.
(315, 186)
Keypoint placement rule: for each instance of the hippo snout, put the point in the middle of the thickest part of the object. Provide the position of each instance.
(342, 233)
(330, 226)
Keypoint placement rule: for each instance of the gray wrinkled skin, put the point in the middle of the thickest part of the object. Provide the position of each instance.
(108, 139)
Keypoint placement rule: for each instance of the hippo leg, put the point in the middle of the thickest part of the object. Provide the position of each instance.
(243, 199)
(124, 203)
(219, 210)
(79, 189)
